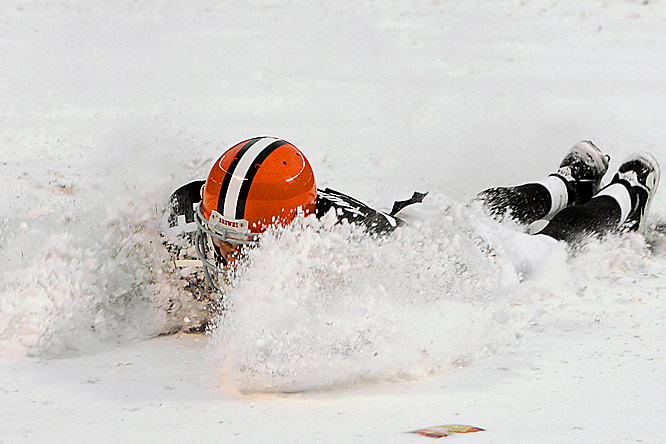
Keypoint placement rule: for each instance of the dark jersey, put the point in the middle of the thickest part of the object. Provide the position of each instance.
(183, 200)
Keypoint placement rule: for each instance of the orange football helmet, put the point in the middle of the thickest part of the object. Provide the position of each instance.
(256, 184)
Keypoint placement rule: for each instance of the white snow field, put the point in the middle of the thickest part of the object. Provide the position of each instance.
(108, 106)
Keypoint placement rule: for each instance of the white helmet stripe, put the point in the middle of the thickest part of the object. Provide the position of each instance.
(244, 164)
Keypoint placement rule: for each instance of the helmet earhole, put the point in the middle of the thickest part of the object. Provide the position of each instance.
(284, 162)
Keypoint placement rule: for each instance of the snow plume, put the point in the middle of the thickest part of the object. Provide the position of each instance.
(72, 290)
(81, 261)
(322, 305)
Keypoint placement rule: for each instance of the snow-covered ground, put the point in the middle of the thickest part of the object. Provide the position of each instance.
(109, 106)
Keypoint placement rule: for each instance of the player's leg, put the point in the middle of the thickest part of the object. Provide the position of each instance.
(576, 181)
(529, 202)
(621, 206)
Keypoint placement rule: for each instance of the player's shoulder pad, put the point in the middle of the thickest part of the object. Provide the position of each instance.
(180, 208)
(177, 227)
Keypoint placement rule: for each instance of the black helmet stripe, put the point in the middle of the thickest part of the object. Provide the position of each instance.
(230, 171)
(241, 173)
(249, 177)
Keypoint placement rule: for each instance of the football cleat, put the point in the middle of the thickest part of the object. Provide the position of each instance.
(582, 169)
(640, 172)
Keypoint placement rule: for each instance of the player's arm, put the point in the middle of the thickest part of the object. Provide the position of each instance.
(354, 211)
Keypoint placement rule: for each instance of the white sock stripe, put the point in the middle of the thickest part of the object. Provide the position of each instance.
(231, 200)
(559, 195)
(621, 195)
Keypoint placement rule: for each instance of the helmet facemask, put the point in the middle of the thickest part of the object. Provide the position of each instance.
(210, 233)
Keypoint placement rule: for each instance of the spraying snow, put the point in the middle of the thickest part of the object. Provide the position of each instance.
(320, 306)
(107, 107)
